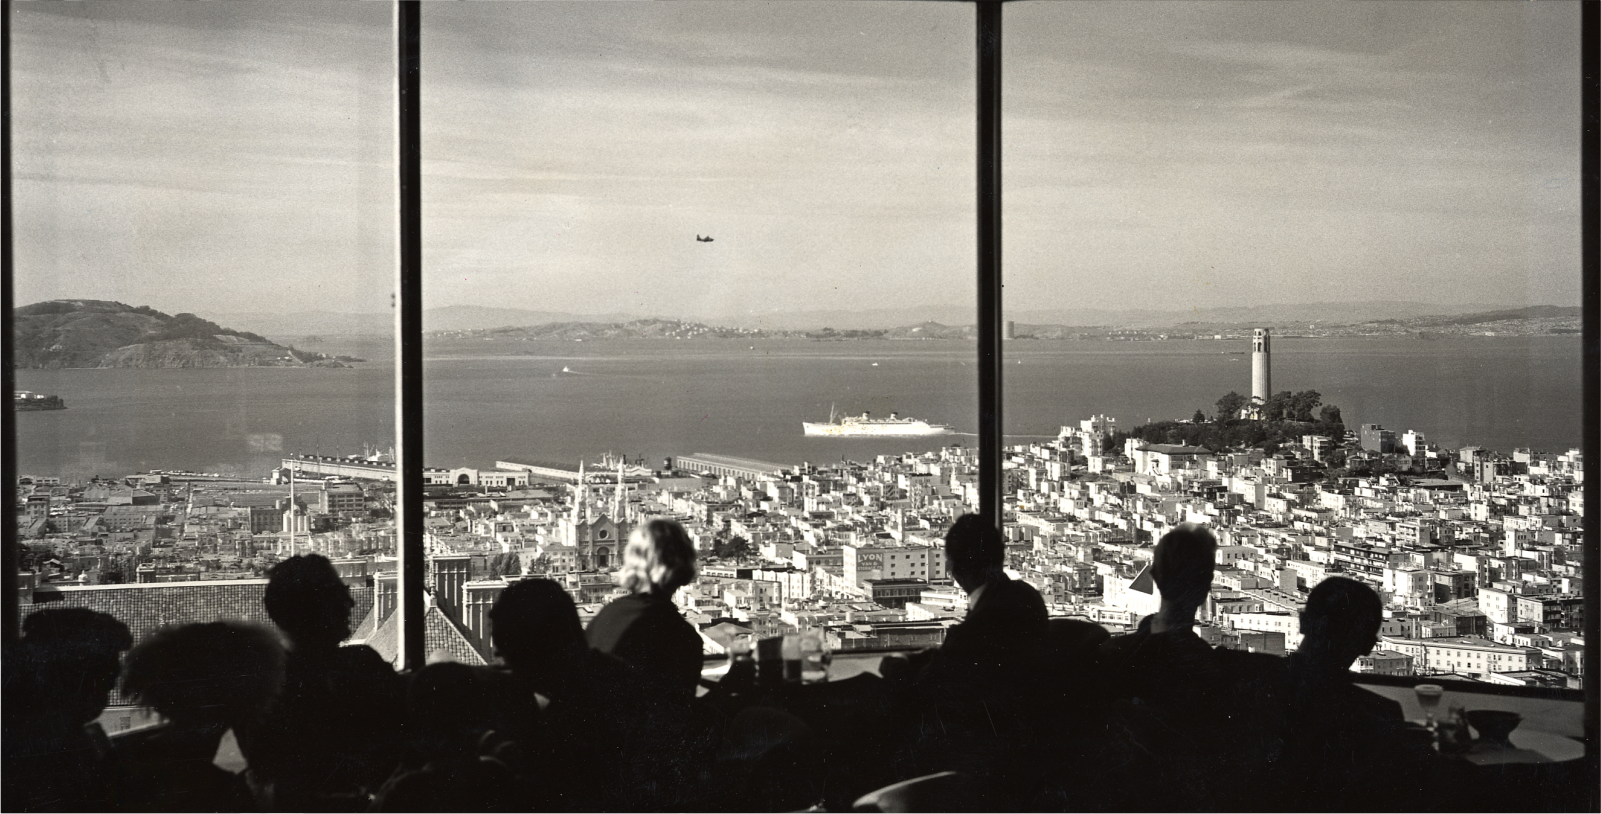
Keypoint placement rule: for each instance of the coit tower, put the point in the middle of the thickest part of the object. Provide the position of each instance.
(1261, 366)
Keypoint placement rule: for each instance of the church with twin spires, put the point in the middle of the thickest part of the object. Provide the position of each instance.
(598, 528)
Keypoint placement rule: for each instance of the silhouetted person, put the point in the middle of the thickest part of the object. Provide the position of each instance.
(1347, 747)
(983, 692)
(1340, 623)
(998, 607)
(645, 629)
(576, 748)
(205, 679)
(450, 712)
(1205, 722)
(333, 737)
(57, 679)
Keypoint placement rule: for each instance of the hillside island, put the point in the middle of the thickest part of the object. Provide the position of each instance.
(106, 334)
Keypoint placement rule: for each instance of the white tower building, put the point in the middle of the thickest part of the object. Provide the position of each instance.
(1261, 367)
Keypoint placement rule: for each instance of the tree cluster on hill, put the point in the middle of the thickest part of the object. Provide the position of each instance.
(734, 548)
(1284, 419)
(1281, 406)
(505, 564)
(189, 326)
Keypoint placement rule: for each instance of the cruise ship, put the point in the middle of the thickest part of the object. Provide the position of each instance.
(27, 402)
(865, 424)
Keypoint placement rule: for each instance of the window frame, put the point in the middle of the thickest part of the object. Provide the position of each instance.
(988, 44)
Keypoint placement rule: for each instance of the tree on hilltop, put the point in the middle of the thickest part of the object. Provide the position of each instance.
(1277, 406)
(1229, 406)
(1303, 403)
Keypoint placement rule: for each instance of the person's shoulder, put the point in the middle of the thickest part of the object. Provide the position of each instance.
(360, 657)
(607, 671)
(1246, 662)
(1018, 591)
(1260, 674)
(1075, 638)
(661, 615)
(621, 608)
(1010, 603)
(1120, 648)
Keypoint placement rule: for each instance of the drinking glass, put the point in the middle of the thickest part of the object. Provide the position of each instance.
(739, 650)
(814, 656)
(792, 658)
(1429, 698)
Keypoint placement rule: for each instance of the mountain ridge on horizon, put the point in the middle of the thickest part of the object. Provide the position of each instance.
(478, 317)
(892, 323)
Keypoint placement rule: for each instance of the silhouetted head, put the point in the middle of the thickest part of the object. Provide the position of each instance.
(659, 558)
(1182, 565)
(1341, 621)
(308, 601)
(207, 675)
(70, 658)
(445, 703)
(974, 552)
(534, 625)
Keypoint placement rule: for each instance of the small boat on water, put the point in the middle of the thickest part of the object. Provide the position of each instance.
(24, 401)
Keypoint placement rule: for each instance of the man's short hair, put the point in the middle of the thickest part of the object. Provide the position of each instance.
(304, 591)
(70, 642)
(535, 615)
(77, 628)
(1183, 562)
(971, 542)
(1342, 607)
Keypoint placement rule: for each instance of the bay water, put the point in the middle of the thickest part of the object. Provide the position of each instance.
(560, 401)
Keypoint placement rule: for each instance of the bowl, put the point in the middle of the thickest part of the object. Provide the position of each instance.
(1493, 724)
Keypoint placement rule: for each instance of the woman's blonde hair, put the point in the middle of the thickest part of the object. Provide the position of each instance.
(659, 556)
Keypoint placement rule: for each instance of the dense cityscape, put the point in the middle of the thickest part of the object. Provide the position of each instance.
(1475, 555)
(1475, 552)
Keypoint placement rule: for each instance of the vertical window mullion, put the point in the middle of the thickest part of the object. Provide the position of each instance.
(990, 483)
(1590, 163)
(408, 343)
(10, 614)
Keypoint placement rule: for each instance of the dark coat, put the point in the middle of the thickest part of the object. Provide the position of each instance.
(1203, 726)
(334, 730)
(1008, 617)
(647, 633)
(979, 701)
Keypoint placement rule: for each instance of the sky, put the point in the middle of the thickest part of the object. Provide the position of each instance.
(238, 156)
(205, 157)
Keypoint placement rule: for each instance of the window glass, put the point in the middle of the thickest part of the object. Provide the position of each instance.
(205, 237)
(660, 239)
(1308, 274)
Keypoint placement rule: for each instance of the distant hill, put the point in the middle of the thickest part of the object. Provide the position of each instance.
(1340, 313)
(632, 329)
(101, 333)
(448, 318)
(1532, 312)
(932, 330)
(283, 326)
(478, 317)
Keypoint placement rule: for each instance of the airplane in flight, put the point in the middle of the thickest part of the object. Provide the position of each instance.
(706, 239)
